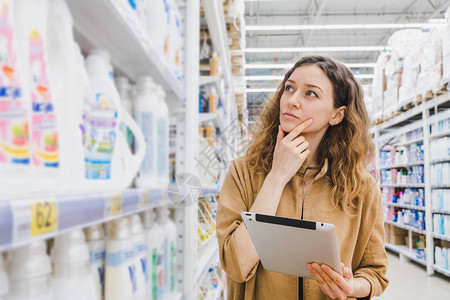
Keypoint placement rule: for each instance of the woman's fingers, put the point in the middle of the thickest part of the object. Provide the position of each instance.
(297, 130)
(280, 134)
(340, 281)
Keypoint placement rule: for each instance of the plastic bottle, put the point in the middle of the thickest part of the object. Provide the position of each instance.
(14, 108)
(140, 257)
(163, 139)
(146, 115)
(96, 243)
(72, 278)
(62, 67)
(124, 89)
(157, 24)
(32, 47)
(213, 65)
(170, 248)
(4, 283)
(175, 39)
(29, 271)
(103, 53)
(155, 244)
(213, 101)
(111, 163)
(120, 270)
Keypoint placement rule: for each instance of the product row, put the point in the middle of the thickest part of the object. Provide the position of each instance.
(133, 260)
(441, 224)
(440, 173)
(403, 196)
(213, 283)
(207, 208)
(413, 175)
(411, 135)
(400, 237)
(442, 257)
(408, 217)
(441, 199)
(440, 127)
(401, 155)
(440, 149)
(209, 101)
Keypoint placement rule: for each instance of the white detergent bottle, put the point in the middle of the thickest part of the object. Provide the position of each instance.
(170, 248)
(140, 257)
(62, 67)
(32, 40)
(4, 282)
(111, 162)
(72, 278)
(163, 139)
(120, 270)
(146, 115)
(175, 39)
(95, 238)
(14, 108)
(157, 24)
(103, 53)
(155, 243)
(29, 271)
(124, 88)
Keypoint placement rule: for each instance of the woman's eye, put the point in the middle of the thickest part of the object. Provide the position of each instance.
(289, 88)
(311, 94)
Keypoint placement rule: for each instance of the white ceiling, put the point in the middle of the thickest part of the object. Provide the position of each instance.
(283, 12)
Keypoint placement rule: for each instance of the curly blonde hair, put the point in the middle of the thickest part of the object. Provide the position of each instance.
(347, 146)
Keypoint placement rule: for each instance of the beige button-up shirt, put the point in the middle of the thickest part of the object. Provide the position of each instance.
(360, 235)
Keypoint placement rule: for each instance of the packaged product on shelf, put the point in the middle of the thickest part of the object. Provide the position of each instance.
(440, 148)
(203, 104)
(440, 173)
(210, 131)
(29, 271)
(31, 18)
(146, 115)
(170, 248)
(120, 270)
(379, 85)
(163, 139)
(157, 25)
(441, 199)
(155, 240)
(95, 238)
(214, 64)
(4, 282)
(441, 257)
(140, 257)
(107, 147)
(15, 107)
(393, 72)
(72, 277)
(442, 126)
(176, 54)
(103, 53)
(213, 101)
(124, 88)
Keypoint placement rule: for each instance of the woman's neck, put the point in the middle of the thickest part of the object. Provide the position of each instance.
(314, 140)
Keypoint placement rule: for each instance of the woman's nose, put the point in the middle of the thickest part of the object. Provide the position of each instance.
(294, 101)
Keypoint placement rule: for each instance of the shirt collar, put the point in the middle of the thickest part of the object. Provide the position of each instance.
(305, 164)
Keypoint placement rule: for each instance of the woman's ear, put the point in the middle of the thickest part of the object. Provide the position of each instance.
(338, 116)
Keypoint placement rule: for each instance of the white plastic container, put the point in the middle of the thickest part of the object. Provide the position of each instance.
(155, 242)
(140, 257)
(110, 164)
(120, 270)
(103, 53)
(124, 88)
(175, 44)
(72, 278)
(14, 120)
(31, 17)
(163, 139)
(157, 24)
(29, 273)
(4, 282)
(63, 68)
(170, 248)
(97, 249)
(146, 115)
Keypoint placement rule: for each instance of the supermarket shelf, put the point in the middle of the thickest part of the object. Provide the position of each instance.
(442, 160)
(408, 206)
(404, 185)
(410, 228)
(19, 216)
(210, 191)
(215, 117)
(208, 252)
(216, 81)
(120, 32)
(441, 211)
(417, 140)
(440, 186)
(439, 135)
(417, 163)
(441, 270)
(404, 250)
(441, 237)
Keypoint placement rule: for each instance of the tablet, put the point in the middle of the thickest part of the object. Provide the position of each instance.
(287, 245)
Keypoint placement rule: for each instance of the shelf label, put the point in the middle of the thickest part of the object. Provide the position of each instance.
(44, 216)
(114, 204)
(145, 199)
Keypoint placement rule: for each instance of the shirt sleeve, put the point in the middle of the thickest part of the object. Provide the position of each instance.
(234, 198)
(374, 261)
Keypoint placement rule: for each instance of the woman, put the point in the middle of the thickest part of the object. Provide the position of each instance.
(307, 162)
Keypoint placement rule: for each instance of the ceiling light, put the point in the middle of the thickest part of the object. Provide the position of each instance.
(317, 49)
(434, 23)
(288, 66)
(268, 90)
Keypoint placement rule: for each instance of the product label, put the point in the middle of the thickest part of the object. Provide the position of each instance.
(100, 136)
(97, 256)
(43, 121)
(146, 122)
(14, 126)
(161, 272)
(44, 217)
(163, 148)
(123, 258)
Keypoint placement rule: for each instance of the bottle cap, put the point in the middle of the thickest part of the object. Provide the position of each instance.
(103, 53)
(135, 224)
(70, 248)
(119, 229)
(95, 233)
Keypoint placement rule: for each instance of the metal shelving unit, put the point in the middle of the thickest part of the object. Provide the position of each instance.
(407, 227)
(405, 165)
(407, 206)
(403, 185)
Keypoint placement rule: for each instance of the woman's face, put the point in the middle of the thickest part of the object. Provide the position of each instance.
(308, 94)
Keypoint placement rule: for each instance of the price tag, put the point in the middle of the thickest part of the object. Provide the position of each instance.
(144, 199)
(44, 216)
(116, 204)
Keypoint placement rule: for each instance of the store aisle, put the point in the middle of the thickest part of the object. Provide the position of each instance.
(408, 281)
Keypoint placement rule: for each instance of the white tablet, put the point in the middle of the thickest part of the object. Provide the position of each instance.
(287, 245)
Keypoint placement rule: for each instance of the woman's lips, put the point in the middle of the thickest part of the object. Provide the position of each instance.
(290, 116)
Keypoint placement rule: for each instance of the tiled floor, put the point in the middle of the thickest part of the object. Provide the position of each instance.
(408, 281)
